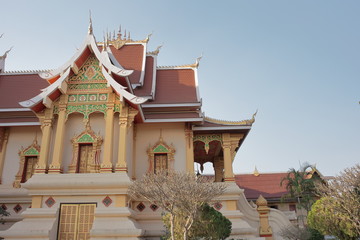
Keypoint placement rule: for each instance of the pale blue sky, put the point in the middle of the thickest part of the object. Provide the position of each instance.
(297, 62)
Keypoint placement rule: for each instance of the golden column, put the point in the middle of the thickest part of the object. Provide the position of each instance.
(4, 136)
(121, 165)
(219, 169)
(46, 124)
(189, 135)
(55, 166)
(106, 165)
(228, 169)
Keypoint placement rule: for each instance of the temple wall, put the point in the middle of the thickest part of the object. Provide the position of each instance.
(75, 125)
(18, 137)
(149, 134)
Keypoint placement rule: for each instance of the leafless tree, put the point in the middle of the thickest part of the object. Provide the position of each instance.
(178, 193)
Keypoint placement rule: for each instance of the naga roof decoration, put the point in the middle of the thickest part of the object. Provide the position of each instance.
(156, 51)
(247, 122)
(193, 65)
(108, 68)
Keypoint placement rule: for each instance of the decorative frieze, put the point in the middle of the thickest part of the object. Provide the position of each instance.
(207, 138)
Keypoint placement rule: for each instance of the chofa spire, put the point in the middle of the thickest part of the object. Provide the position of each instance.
(3, 57)
(90, 28)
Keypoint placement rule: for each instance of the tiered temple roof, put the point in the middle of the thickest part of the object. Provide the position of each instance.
(161, 94)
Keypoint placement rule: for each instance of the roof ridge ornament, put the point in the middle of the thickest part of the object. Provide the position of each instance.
(198, 60)
(256, 172)
(90, 28)
(156, 52)
(247, 122)
(193, 65)
(120, 40)
(6, 53)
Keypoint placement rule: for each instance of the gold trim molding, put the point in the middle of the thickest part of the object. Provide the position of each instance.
(247, 122)
(88, 136)
(161, 148)
(31, 151)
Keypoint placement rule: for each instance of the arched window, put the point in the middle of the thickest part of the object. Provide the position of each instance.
(28, 160)
(161, 157)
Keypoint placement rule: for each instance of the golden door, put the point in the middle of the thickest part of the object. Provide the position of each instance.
(160, 162)
(76, 221)
(29, 168)
(85, 157)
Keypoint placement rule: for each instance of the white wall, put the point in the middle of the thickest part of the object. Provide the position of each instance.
(149, 134)
(18, 137)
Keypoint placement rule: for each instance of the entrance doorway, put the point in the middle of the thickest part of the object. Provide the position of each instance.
(76, 221)
(85, 158)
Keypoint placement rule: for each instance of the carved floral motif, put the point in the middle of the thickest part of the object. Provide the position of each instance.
(31, 151)
(88, 137)
(161, 148)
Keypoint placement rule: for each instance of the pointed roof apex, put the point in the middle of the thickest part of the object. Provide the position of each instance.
(256, 172)
(90, 29)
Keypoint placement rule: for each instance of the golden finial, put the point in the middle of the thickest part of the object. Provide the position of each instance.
(104, 47)
(35, 139)
(119, 33)
(161, 138)
(90, 29)
(256, 172)
(261, 201)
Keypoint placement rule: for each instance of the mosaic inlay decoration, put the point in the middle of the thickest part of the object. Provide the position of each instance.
(90, 72)
(50, 202)
(153, 207)
(140, 207)
(107, 201)
(4, 207)
(17, 208)
(218, 206)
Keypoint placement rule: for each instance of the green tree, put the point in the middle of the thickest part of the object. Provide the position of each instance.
(209, 224)
(338, 211)
(180, 194)
(301, 186)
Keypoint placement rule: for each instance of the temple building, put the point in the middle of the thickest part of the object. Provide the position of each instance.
(72, 140)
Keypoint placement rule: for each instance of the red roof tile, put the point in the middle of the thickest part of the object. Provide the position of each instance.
(17, 88)
(145, 90)
(171, 115)
(131, 58)
(266, 184)
(175, 86)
